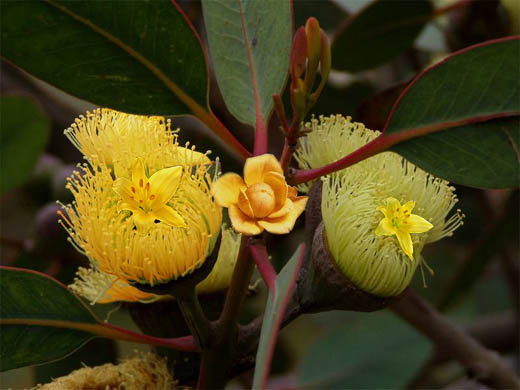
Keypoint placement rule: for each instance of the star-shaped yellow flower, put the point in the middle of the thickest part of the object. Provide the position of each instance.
(147, 198)
(400, 221)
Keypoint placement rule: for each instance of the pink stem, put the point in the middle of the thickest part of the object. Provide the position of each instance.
(261, 258)
(186, 343)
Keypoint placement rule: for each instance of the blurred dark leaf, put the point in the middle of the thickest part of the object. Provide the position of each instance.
(476, 22)
(378, 351)
(28, 296)
(374, 110)
(126, 55)
(328, 13)
(164, 319)
(463, 92)
(24, 131)
(495, 237)
(378, 33)
(268, 27)
(346, 100)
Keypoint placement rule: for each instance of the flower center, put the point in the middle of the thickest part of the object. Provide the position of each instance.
(399, 217)
(142, 195)
(147, 198)
(262, 200)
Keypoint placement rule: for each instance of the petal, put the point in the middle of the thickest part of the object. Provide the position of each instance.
(405, 240)
(285, 223)
(142, 220)
(138, 173)
(123, 187)
(280, 225)
(244, 204)
(292, 192)
(299, 204)
(383, 210)
(122, 206)
(385, 228)
(277, 183)
(286, 208)
(408, 206)
(169, 216)
(242, 223)
(256, 168)
(392, 204)
(188, 156)
(163, 185)
(227, 188)
(417, 224)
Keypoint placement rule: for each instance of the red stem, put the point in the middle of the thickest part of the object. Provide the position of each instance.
(261, 258)
(375, 146)
(287, 154)
(186, 343)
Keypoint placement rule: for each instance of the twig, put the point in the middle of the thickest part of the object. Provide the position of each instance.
(482, 364)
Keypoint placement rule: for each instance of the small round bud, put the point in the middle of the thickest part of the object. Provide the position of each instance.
(262, 200)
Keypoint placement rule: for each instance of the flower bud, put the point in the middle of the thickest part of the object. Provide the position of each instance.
(298, 54)
(310, 49)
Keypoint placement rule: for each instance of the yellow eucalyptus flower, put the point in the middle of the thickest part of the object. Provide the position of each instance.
(359, 203)
(169, 227)
(263, 200)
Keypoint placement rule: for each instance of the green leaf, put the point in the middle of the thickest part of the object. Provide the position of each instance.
(378, 351)
(42, 321)
(24, 131)
(250, 43)
(378, 33)
(33, 307)
(462, 94)
(481, 155)
(486, 248)
(134, 56)
(273, 315)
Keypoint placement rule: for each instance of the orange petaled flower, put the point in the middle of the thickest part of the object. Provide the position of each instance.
(263, 200)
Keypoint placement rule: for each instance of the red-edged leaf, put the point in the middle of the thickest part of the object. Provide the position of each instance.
(464, 93)
(249, 42)
(42, 321)
(273, 315)
(141, 57)
(458, 119)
